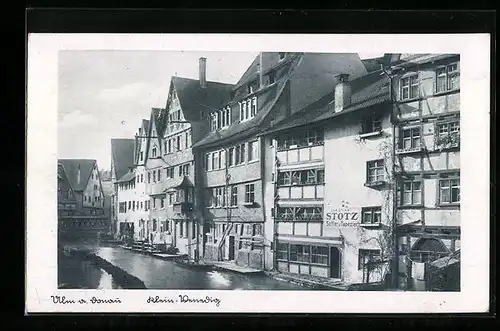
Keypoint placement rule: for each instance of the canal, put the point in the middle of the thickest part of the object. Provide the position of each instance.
(161, 274)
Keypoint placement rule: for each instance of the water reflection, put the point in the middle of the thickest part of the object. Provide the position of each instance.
(160, 274)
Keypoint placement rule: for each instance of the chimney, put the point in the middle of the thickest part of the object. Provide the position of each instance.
(342, 92)
(78, 175)
(203, 72)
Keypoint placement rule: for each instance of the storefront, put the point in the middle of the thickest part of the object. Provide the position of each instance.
(319, 257)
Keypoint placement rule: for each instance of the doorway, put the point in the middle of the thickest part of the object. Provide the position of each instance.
(231, 248)
(334, 262)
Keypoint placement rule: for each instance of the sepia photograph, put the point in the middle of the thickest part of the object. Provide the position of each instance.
(267, 171)
(187, 177)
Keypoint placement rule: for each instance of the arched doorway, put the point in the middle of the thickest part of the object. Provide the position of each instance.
(334, 262)
(428, 249)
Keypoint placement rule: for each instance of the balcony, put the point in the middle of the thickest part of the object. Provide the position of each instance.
(182, 207)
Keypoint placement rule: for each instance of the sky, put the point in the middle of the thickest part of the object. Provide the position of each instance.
(105, 94)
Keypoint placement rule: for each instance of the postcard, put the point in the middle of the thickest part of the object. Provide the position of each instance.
(258, 173)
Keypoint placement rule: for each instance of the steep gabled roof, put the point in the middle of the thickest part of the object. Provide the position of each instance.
(122, 152)
(71, 169)
(367, 91)
(145, 128)
(127, 177)
(194, 99)
(311, 76)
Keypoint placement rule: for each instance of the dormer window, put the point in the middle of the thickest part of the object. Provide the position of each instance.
(247, 109)
(154, 152)
(282, 55)
(220, 119)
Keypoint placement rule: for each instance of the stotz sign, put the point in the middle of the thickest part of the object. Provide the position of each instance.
(345, 216)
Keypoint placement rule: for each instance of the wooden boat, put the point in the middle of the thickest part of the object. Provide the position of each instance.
(192, 264)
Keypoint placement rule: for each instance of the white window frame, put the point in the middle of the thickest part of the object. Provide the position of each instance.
(249, 193)
(450, 188)
(375, 165)
(412, 138)
(410, 85)
(253, 150)
(412, 192)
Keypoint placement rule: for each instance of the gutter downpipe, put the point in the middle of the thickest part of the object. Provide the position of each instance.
(395, 261)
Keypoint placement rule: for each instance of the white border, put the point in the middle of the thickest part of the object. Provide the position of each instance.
(41, 276)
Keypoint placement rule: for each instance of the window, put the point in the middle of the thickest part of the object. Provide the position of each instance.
(130, 205)
(181, 229)
(154, 152)
(208, 161)
(219, 197)
(300, 253)
(230, 161)
(447, 78)
(247, 108)
(449, 191)
(250, 193)
(410, 138)
(185, 169)
(282, 251)
(169, 146)
(171, 199)
(162, 203)
(180, 171)
(159, 175)
(375, 171)
(319, 255)
(142, 205)
(186, 140)
(234, 196)
(149, 177)
(253, 151)
(412, 193)
(303, 177)
(448, 134)
(215, 161)
(409, 87)
(142, 156)
(154, 176)
(284, 178)
(301, 139)
(154, 203)
(95, 187)
(282, 55)
(253, 109)
(371, 215)
(178, 143)
(371, 123)
(213, 121)
(368, 257)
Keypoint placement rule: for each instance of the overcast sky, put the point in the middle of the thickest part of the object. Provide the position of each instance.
(105, 94)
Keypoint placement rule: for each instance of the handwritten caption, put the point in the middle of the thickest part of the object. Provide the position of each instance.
(180, 299)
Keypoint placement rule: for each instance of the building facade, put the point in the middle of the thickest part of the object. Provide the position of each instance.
(329, 189)
(275, 86)
(426, 96)
(82, 213)
(122, 160)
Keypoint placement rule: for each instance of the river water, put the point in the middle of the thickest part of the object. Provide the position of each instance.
(161, 274)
